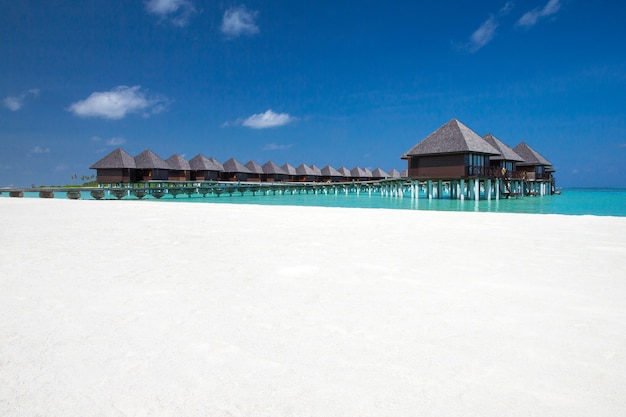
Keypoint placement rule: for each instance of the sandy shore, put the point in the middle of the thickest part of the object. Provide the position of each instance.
(123, 308)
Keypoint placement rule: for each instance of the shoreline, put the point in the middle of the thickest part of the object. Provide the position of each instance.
(233, 309)
(578, 203)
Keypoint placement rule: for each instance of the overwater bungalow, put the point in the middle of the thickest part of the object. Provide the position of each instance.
(360, 174)
(272, 172)
(317, 171)
(217, 163)
(234, 171)
(394, 173)
(379, 174)
(534, 166)
(117, 167)
(345, 173)
(256, 171)
(151, 167)
(179, 168)
(453, 151)
(330, 174)
(505, 164)
(290, 172)
(205, 169)
(305, 173)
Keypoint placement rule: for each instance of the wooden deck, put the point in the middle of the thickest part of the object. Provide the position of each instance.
(471, 188)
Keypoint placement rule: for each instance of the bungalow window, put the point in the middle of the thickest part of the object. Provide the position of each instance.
(508, 165)
(539, 171)
(475, 163)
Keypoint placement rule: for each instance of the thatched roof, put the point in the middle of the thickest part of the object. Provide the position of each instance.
(530, 156)
(357, 172)
(316, 170)
(453, 137)
(289, 170)
(506, 152)
(115, 160)
(202, 163)
(177, 162)
(345, 172)
(149, 160)
(379, 173)
(329, 171)
(233, 165)
(254, 167)
(271, 168)
(404, 173)
(303, 169)
(394, 173)
(217, 163)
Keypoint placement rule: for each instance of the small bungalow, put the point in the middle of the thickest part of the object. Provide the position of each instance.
(330, 174)
(379, 174)
(234, 171)
(394, 173)
(256, 171)
(360, 174)
(453, 151)
(345, 173)
(150, 167)
(204, 169)
(505, 164)
(317, 171)
(217, 163)
(116, 167)
(272, 172)
(305, 173)
(179, 168)
(290, 172)
(534, 166)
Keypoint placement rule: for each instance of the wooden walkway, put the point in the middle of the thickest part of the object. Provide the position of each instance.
(473, 188)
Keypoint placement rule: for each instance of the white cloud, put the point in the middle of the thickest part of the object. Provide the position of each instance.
(532, 17)
(177, 11)
(13, 103)
(117, 103)
(487, 30)
(39, 150)
(506, 9)
(267, 119)
(239, 21)
(275, 147)
(17, 102)
(115, 141)
(483, 35)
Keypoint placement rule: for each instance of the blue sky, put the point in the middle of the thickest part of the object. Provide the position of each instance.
(326, 82)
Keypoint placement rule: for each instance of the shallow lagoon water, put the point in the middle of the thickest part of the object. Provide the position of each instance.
(572, 201)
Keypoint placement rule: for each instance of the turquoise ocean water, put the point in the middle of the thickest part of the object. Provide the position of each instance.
(572, 201)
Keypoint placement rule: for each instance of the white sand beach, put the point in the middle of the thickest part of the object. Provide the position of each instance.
(136, 308)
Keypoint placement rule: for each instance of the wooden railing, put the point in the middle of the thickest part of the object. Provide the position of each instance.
(492, 172)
